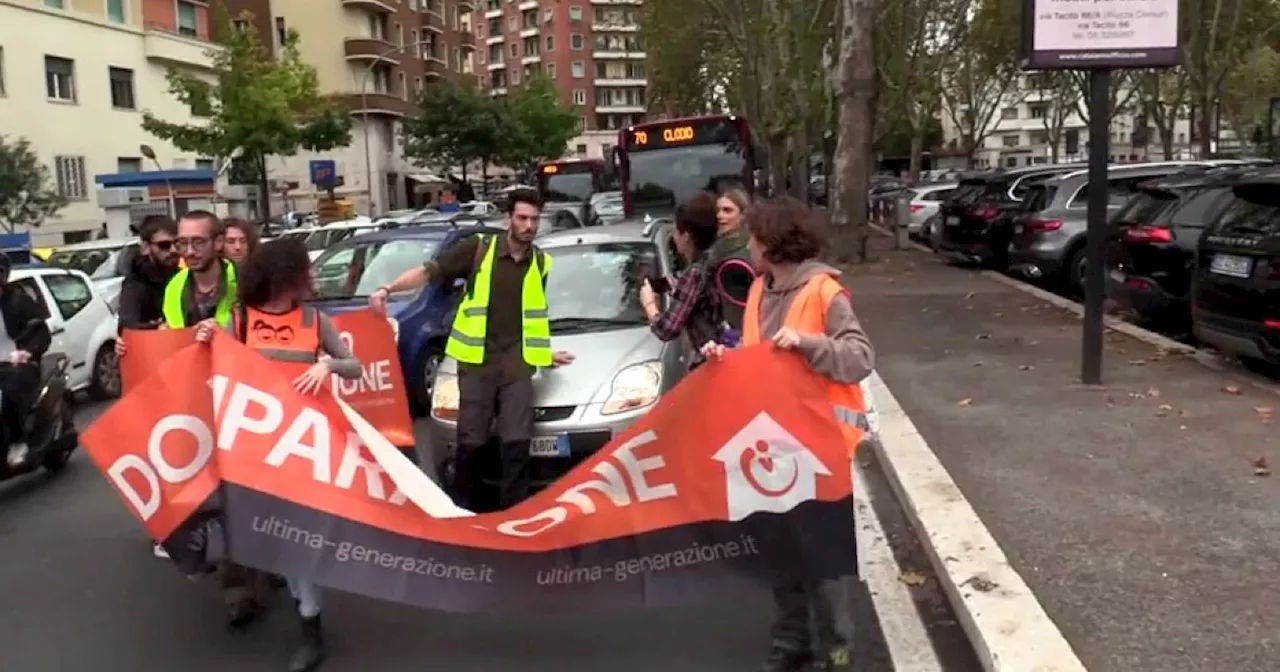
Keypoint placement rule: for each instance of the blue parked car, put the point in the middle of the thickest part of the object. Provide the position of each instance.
(347, 273)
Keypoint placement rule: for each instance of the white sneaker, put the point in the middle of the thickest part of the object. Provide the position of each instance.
(17, 454)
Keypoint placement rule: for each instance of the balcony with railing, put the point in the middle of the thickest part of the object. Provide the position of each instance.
(433, 22)
(383, 6)
(179, 46)
(370, 49)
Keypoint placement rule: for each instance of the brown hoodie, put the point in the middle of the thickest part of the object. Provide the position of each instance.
(843, 353)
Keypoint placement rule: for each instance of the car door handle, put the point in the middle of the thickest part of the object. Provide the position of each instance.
(57, 331)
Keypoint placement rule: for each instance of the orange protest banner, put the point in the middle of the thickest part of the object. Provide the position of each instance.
(146, 349)
(380, 395)
(759, 489)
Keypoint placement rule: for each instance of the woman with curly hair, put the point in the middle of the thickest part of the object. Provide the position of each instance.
(239, 240)
(272, 319)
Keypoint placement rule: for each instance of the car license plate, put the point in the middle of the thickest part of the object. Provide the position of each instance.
(953, 221)
(1232, 265)
(550, 446)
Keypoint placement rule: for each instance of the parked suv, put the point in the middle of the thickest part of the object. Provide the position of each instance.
(1151, 243)
(1235, 289)
(1049, 232)
(977, 217)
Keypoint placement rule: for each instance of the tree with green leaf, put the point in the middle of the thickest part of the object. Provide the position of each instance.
(257, 103)
(1164, 95)
(677, 53)
(1246, 95)
(539, 127)
(983, 76)
(457, 124)
(27, 194)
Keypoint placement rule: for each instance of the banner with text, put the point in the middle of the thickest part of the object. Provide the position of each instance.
(758, 489)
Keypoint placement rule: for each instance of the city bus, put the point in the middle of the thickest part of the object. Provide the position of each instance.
(570, 180)
(663, 163)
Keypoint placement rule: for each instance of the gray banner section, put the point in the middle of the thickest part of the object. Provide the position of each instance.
(815, 541)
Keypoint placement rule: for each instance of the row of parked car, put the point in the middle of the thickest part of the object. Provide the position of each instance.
(1193, 247)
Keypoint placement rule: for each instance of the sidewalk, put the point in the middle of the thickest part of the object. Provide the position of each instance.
(1133, 511)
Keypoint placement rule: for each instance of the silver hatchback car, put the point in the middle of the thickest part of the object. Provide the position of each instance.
(621, 368)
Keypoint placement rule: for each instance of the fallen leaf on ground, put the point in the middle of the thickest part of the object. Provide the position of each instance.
(977, 363)
(1137, 362)
(1025, 367)
(1163, 410)
(999, 314)
(967, 401)
(913, 578)
(969, 295)
(1260, 467)
(1264, 413)
(983, 337)
(1153, 392)
(1231, 389)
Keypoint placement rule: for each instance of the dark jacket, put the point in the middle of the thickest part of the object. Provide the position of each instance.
(24, 320)
(142, 294)
(731, 281)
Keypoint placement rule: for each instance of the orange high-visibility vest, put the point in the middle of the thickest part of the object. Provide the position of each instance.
(291, 339)
(808, 315)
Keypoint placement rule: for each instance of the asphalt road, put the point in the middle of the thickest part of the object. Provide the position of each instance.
(82, 593)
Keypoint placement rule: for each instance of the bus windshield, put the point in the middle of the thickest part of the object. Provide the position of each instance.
(660, 179)
(566, 187)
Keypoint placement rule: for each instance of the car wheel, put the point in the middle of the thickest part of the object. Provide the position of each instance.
(104, 381)
(430, 364)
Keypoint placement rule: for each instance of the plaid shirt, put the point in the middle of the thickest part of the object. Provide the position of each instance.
(694, 308)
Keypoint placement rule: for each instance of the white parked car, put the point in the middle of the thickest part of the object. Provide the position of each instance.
(84, 327)
(106, 262)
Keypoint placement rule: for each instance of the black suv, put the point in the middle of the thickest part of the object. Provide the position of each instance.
(1151, 242)
(1235, 290)
(977, 220)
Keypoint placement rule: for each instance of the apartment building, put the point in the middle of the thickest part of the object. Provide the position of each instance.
(75, 76)
(1022, 130)
(591, 49)
(378, 55)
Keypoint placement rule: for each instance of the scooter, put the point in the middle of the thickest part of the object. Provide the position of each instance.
(51, 429)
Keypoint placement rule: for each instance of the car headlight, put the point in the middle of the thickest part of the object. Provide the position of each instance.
(445, 397)
(634, 387)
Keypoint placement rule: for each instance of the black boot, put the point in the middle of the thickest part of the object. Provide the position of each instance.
(786, 660)
(310, 653)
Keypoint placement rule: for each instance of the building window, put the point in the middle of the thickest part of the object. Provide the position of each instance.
(575, 14)
(1, 71)
(551, 72)
(1039, 111)
(551, 45)
(400, 36)
(121, 88)
(404, 90)
(417, 85)
(115, 11)
(1010, 140)
(188, 24)
(581, 149)
(1009, 113)
(56, 4)
(515, 50)
(240, 24)
(129, 164)
(282, 32)
(204, 164)
(548, 15)
(578, 70)
(413, 38)
(69, 171)
(579, 97)
(575, 42)
(59, 78)
(513, 23)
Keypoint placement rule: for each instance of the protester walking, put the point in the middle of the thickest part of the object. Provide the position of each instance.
(240, 239)
(731, 270)
(799, 305)
(694, 307)
(275, 280)
(142, 290)
(205, 290)
(501, 336)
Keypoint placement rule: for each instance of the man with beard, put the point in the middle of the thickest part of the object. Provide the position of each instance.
(142, 292)
(501, 335)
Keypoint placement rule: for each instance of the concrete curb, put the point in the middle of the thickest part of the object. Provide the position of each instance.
(1005, 623)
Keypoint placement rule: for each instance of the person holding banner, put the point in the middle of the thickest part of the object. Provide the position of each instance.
(204, 290)
(798, 304)
(142, 290)
(271, 319)
(501, 335)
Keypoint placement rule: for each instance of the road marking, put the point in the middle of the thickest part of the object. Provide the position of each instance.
(903, 627)
(1006, 624)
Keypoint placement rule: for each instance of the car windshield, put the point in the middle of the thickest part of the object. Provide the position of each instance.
(88, 261)
(358, 269)
(116, 263)
(659, 179)
(567, 187)
(596, 287)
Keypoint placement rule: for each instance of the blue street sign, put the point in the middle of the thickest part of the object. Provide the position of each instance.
(324, 173)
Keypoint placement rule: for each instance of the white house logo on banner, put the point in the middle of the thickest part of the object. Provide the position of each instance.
(767, 470)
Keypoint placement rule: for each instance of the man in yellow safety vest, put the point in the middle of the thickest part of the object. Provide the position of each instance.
(501, 335)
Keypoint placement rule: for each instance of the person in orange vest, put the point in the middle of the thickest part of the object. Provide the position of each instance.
(272, 319)
(799, 304)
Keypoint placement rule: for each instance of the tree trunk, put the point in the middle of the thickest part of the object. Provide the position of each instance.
(856, 131)
(1204, 124)
(778, 163)
(1166, 143)
(800, 165)
(917, 153)
(264, 189)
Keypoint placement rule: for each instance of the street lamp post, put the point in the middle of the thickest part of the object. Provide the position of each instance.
(364, 112)
(150, 153)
